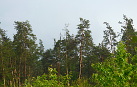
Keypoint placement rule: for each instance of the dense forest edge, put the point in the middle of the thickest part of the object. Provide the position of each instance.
(74, 61)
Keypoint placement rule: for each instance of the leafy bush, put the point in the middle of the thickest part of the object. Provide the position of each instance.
(81, 83)
(116, 72)
(50, 80)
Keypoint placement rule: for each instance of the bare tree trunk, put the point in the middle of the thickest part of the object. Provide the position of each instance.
(67, 64)
(4, 80)
(25, 69)
(58, 68)
(80, 63)
(3, 72)
(29, 72)
(19, 73)
(11, 80)
(67, 71)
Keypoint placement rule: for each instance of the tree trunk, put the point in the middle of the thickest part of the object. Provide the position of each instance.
(80, 63)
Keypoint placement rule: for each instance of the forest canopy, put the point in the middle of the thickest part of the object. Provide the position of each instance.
(75, 60)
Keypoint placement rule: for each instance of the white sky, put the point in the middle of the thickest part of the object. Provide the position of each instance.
(48, 17)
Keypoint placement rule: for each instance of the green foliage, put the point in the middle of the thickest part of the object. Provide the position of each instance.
(84, 47)
(6, 59)
(109, 40)
(27, 52)
(100, 53)
(129, 36)
(49, 80)
(81, 83)
(115, 72)
(72, 55)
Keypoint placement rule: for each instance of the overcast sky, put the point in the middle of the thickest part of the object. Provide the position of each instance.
(48, 17)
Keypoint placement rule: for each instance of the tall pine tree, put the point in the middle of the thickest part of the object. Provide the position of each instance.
(26, 51)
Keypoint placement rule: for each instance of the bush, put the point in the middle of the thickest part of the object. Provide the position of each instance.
(117, 71)
(49, 80)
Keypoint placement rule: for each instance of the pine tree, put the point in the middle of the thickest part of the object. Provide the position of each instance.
(85, 42)
(100, 53)
(6, 59)
(26, 51)
(109, 40)
(129, 35)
